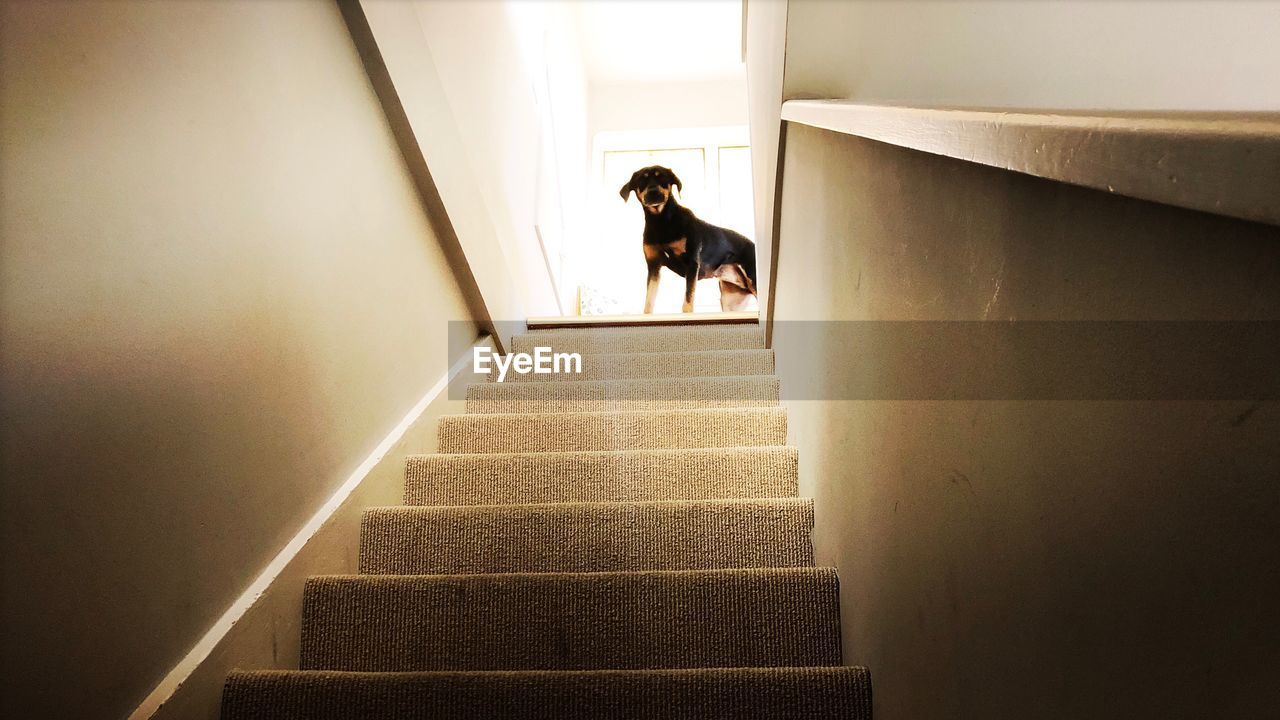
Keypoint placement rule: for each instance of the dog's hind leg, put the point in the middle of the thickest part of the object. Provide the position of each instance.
(732, 297)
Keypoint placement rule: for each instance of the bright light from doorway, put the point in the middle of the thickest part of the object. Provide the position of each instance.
(714, 166)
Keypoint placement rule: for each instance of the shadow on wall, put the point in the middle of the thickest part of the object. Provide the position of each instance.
(220, 292)
(999, 555)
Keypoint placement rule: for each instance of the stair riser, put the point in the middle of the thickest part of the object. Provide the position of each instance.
(611, 366)
(633, 476)
(587, 538)
(572, 622)
(490, 433)
(622, 395)
(738, 693)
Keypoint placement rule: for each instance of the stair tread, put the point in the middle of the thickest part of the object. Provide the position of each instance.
(823, 573)
(718, 317)
(606, 414)
(616, 620)
(588, 537)
(601, 475)
(638, 452)
(637, 429)
(690, 363)
(723, 391)
(725, 503)
(790, 693)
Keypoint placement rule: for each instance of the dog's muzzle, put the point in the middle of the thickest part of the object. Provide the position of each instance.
(654, 200)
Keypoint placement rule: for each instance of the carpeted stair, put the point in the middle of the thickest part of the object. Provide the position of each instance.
(601, 476)
(626, 366)
(587, 537)
(636, 430)
(626, 544)
(619, 395)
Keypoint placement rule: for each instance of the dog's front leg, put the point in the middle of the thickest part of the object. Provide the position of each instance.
(651, 289)
(691, 282)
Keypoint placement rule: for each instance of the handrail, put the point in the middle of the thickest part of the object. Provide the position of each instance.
(1222, 163)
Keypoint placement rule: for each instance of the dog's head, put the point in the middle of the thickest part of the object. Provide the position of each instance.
(652, 186)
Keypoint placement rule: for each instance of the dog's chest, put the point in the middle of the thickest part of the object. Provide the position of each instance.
(674, 254)
(675, 249)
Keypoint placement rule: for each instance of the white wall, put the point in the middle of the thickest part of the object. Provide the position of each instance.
(552, 52)
(649, 106)
(1104, 54)
(764, 43)
(482, 51)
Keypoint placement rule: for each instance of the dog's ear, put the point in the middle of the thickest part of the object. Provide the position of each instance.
(676, 181)
(625, 192)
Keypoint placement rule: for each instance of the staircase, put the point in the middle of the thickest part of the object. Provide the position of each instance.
(625, 544)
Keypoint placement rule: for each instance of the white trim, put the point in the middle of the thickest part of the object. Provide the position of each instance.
(664, 320)
(237, 610)
(670, 138)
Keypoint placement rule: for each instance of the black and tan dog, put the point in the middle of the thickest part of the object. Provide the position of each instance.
(695, 250)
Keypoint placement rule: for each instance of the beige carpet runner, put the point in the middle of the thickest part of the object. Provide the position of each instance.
(626, 543)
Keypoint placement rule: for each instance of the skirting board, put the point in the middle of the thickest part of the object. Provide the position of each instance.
(261, 628)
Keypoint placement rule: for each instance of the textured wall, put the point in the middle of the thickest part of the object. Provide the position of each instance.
(1021, 557)
(219, 293)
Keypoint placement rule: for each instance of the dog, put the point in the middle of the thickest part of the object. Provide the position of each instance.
(694, 249)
